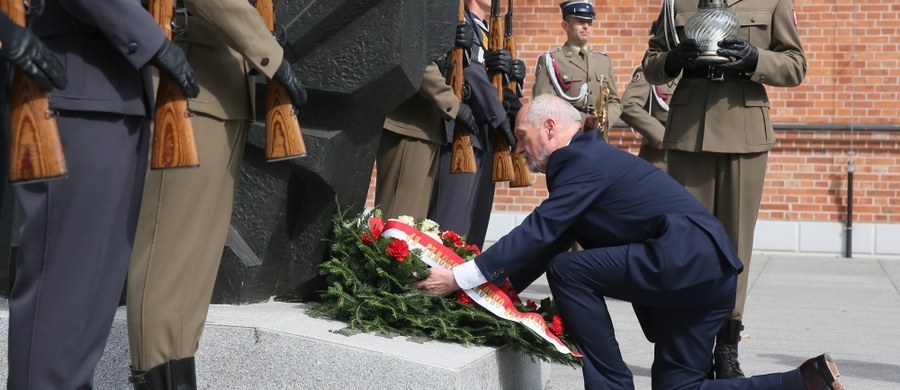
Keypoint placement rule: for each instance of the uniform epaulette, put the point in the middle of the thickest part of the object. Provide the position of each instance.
(598, 52)
(637, 69)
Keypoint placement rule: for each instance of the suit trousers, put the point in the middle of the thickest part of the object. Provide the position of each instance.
(406, 170)
(184, 221)
(462, 202)
(76, 241)
(730, 185)
(683, 323)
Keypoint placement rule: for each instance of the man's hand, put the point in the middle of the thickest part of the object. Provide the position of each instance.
(28, 54)
(171, 60)
(440, 282)
(507, 131)
(465, 117)
(591, 122)
(682, 56)
(464, 35)
(745, 55)
(286, 77)
(499, 61)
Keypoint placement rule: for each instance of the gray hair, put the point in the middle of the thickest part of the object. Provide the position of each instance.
(549, 106)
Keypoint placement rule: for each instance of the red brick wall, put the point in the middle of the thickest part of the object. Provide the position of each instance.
(853, 50)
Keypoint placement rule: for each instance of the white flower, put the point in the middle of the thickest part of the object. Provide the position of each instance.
(407, 220)
(429, 226)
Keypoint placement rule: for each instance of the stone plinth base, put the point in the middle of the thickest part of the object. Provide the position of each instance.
(276, 346)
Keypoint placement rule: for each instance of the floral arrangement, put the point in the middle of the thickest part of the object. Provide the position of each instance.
(369, 277)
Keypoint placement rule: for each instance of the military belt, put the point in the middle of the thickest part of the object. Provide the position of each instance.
(714, 73)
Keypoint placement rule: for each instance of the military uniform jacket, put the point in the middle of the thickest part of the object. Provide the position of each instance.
(730, 116)
(422, 115)
(105, 48)
(575, 70)
(224, 39)
(605, 197)
(645, 107)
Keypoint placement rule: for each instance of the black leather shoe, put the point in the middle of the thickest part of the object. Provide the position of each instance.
(820, 373)
(725, 354)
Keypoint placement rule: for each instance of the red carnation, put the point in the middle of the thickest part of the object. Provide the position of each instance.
(557, 326)
(530, 305)
(464, 298)
(398, 249)
(507, 288)
(474, 248)
(375, 230)
(452, 237)
(366, 239)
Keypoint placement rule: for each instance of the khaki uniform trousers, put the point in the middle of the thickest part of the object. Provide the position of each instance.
(184, 220)
(730, 185)
(406, 170)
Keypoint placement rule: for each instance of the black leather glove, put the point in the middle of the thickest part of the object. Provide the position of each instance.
(507, 131)
(286, 77)
(27, 53)
(498, 61)
(171, 60)
(464, 35)
(518, 71)
(745, 55)
(465, 117)
(682, 56)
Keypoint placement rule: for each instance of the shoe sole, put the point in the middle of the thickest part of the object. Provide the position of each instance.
(831, 373)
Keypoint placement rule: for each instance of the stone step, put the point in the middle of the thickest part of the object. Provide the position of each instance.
(275, 345)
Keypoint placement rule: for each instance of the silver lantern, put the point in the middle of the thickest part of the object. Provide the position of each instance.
(712, 23)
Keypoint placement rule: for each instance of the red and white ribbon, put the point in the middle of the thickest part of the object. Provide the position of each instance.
(487, 295)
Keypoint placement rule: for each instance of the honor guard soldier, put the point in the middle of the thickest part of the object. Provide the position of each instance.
(719, 131)
(576, 73)
(645, 107)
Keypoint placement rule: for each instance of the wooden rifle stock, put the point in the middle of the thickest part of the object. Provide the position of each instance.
(503, 167)
(521, 173)
(462, 159)
(284, 139)
(173, 135)
(35, 148)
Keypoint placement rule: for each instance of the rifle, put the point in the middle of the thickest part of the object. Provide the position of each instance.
(462, 159)
(283, 137)
(173, 134)
(503, 167)
(35, 148)
(521, 175)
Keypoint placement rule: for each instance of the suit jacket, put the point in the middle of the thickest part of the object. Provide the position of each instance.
(731, 116)
(105, 48)
(224, 39)
(605, 197)
(578, 71)
(422, 115)
(645, 107)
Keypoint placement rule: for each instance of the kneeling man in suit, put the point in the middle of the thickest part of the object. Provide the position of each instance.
(646, 240)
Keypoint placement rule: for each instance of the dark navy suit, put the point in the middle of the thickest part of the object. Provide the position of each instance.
(77, 234)
(647, 241)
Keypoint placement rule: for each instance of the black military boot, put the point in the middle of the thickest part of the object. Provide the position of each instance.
(725, 355)
(179, 374)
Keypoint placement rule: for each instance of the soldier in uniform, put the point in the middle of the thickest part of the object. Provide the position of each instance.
(719, 131)
(185, 213)
(77, 234)
(462, 202)
(645, 108)
(576, 73)
(413, 133)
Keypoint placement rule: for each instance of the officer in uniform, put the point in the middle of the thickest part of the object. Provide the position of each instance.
(414, 131)
(462, 202)
(576, 73)
(719, 131)
(78, 232)
(645, 108)
(185, 214)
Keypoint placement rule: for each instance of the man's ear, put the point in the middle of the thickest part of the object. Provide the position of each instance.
(550, 125)
(565, 25)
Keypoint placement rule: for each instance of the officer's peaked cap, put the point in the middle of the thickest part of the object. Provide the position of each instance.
(578, 9)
